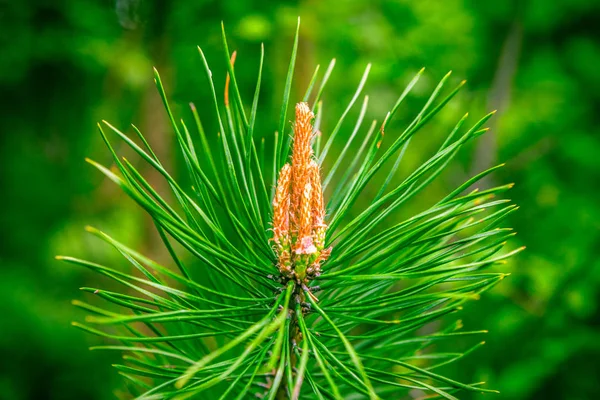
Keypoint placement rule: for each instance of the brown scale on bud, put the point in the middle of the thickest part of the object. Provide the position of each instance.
(318, 205)
(298, 208)
(281, 219)
(304, 241)
(281, 204)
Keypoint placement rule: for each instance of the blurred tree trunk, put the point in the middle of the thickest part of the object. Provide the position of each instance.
(486, 154)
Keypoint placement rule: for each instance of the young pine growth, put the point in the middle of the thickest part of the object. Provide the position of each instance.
(298, 209)
(277, 292)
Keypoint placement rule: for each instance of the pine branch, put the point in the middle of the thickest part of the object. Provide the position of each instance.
(284, 294)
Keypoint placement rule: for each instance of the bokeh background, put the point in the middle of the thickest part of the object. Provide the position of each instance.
(66, 65)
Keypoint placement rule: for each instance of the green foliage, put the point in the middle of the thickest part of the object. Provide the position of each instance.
(69, 64)
(216, 322)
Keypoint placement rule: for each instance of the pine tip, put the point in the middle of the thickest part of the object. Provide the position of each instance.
(180, 382)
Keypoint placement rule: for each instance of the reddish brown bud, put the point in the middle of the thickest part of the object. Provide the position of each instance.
(298, 207)
(281, 203)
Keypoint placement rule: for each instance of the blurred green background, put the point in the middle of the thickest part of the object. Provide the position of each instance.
(66, 65)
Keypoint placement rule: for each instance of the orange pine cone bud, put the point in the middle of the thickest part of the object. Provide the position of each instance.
(317, 204)
(303, 132)
(281, 204)
(298, 208)
(301, 157)
(304, 244)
